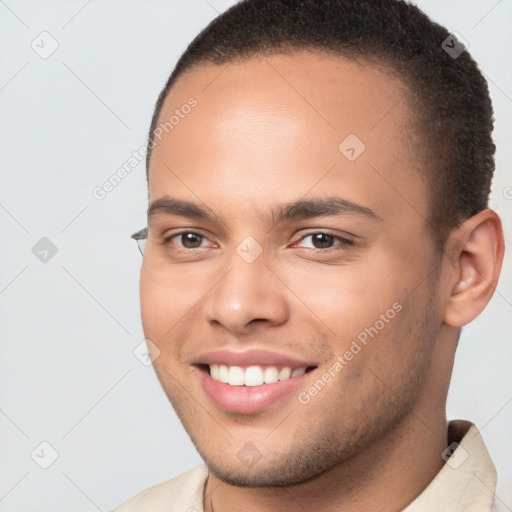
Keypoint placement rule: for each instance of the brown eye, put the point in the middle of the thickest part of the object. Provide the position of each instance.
(322, 240)
(186, 240)
(191, 240)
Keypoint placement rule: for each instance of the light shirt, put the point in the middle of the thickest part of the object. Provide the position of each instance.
(466, 483)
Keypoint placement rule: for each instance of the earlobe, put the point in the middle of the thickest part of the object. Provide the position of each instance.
(477, 265)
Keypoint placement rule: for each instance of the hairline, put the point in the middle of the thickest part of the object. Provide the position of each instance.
(375, 59)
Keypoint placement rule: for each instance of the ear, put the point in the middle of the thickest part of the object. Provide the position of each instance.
(476, 256)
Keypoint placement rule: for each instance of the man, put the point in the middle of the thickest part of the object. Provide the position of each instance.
(318, 234)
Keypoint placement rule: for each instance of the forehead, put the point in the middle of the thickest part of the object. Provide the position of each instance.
(285, 124)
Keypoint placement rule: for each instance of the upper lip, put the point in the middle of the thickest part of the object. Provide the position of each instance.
(250, 357)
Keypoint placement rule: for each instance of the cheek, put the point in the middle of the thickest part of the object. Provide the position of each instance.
(398, 340)
(163, 303)
(349, 298)
(375, 314)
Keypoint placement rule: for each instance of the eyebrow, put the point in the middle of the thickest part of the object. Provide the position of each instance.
(298, 210)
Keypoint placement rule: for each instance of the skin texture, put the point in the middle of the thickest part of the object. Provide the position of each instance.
(264, 133)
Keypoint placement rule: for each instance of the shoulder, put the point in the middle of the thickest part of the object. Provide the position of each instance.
(183, 493)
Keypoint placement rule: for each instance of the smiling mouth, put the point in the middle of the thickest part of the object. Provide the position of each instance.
(254, 375)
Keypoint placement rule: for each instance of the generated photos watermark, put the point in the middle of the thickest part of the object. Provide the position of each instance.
(355, 348)
(100, 192)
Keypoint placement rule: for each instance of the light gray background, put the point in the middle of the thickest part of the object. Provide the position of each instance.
(68, 375)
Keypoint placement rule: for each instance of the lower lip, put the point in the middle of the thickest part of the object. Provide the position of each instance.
(249, 399)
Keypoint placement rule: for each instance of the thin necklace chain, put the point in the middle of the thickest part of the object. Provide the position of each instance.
(210, 493)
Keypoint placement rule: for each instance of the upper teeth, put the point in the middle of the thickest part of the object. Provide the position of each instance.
(252, 375)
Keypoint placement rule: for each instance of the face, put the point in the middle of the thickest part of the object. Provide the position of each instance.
(289, 282)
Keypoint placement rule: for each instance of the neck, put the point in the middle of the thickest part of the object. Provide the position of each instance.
(388, 475)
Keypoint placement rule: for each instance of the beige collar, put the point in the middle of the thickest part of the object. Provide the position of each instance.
(467, 481)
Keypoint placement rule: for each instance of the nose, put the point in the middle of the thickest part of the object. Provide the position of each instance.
(248, 295)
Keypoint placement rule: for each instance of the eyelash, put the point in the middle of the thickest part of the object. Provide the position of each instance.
(345, 241)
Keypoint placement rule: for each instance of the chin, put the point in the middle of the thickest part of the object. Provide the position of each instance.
(266, 476)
